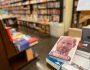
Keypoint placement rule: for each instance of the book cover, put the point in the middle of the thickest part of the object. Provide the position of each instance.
(85, 48)
(65, 48)
(22, 45)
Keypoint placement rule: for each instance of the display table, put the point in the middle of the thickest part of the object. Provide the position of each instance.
(15, 58)
(80, 60)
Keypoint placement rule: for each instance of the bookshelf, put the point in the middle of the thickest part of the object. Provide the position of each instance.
(45, 9)
(12, 58)
(40, 12)
(49, 10)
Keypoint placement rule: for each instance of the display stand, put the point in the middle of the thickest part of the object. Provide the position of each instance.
(14, 58)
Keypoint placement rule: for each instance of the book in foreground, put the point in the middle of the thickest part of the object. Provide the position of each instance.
(65, 48)
(54, 62)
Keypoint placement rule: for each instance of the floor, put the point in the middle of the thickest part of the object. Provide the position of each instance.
(42, 48)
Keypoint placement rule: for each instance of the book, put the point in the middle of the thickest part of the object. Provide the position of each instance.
(22, 45)
(54, 62)
(85, 38)
(69, 67)
(65, 48)
(85, 48)
(80, 61)
(26, 37)
(9, 33)
(33, 41)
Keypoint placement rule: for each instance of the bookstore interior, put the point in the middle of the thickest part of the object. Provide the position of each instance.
(44, 34)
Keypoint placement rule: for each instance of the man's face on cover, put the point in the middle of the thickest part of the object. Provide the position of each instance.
(65, 44)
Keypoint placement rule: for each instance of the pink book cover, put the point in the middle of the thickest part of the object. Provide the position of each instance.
(65, 48)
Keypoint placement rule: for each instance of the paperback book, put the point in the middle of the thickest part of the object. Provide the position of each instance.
(54, 62)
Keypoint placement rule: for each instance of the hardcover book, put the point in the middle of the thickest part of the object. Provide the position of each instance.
(65, 48)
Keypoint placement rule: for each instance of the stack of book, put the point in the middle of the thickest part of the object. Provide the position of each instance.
(20, 40)
(65, 56)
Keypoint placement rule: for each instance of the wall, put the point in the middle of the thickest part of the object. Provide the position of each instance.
(67, 14)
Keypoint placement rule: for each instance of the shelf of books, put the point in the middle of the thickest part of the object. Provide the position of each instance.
(38, 11)
(47, 8)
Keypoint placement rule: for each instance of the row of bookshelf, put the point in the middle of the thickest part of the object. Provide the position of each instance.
(24, 2)
(6, 2)
(38, 18)
(54, 18)
(49, 5)
(18, 8)
(41, 6)
(45, 4)
(42, 11)
(45, 9)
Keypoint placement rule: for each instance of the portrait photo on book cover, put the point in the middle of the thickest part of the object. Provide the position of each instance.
(64, 48)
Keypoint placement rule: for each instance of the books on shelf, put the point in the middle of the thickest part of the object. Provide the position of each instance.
(53, 5)
(42, 6)
(57, 5)
(54, 11)
(65, 49)
(50, 4)
(55, 18)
